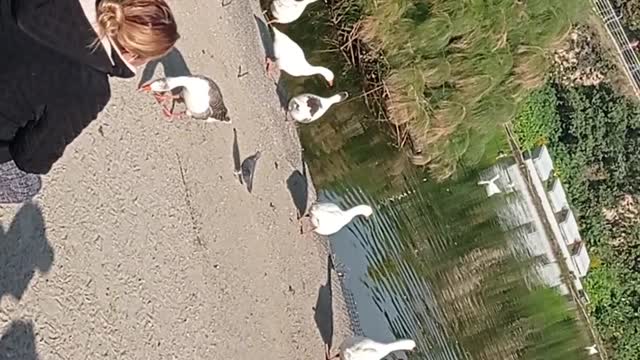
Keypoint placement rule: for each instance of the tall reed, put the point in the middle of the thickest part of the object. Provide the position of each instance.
(457, 69)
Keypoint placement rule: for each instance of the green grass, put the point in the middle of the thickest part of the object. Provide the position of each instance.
(537, 121)
(457, 70)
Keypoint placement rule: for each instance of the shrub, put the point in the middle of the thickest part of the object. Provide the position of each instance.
(537, 121)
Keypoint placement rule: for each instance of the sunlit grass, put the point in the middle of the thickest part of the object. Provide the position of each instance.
(459, 68)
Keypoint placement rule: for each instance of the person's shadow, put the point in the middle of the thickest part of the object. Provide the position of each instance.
(323, 315)
(23, 249)
(173, 65)
(18, 341)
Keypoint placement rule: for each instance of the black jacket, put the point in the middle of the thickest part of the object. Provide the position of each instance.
(52, 83)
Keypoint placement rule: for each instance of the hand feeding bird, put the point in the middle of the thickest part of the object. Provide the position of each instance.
(290, 58)
(306, 108)
(287, 11)
(201, 96)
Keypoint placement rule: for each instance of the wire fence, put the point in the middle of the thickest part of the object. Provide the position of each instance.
(626, 51)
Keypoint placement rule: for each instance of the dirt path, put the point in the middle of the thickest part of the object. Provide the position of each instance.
(122, 259)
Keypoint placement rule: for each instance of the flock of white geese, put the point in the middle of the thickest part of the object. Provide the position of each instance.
(203, 101)
(326, 218)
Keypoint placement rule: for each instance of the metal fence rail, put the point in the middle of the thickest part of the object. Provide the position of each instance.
(628, 57)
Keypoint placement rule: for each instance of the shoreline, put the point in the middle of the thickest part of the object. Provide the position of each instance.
(115, 262)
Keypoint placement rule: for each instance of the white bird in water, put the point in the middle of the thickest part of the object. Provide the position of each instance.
(201, 96)
(306, 108)
(287, 11)
(290, 58)
(328, 218)
(362, 348)
(591, 349)
(491, 186)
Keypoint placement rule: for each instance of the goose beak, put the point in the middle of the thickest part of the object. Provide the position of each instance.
(145, 88)
(331, 83)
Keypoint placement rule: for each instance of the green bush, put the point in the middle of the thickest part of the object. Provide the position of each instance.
(615, 303)
(537, 121)
(596, 153)
(630, 10)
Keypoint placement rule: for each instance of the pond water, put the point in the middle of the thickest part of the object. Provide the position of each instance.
(433, 263)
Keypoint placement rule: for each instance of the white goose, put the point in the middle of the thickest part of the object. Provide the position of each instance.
(491, 186)
(306, 108)
(328, 218)
(290, 58)
(201, 96)
(287, 11)
(362, 348)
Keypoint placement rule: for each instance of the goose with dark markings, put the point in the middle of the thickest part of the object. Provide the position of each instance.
(306, 108)
(201, 96)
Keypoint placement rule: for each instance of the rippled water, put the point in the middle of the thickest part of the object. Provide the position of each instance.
(395, 261)
(432, 263)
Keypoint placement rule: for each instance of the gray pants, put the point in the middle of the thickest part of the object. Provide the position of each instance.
(17, 186)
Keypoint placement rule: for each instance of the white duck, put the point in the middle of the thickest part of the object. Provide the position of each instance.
(328, 218)
(491, 186)
(201, 96)
(362, 348)
(306, 108)
(290, 58)
(287, 11)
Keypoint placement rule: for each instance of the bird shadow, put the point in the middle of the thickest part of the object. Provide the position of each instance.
(265, 36)
(267, 44)
(18, 341)
(298, 186)
(173, 64)
(237, 166)
(248, 169)
(323, 315)
(299, 190)
(23, 249)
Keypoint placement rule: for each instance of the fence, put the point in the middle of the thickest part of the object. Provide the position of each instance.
(628, 57)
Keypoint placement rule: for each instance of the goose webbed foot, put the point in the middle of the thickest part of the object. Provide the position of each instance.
(327, 353)
(272, 69)
(170, 114)
(305, 224)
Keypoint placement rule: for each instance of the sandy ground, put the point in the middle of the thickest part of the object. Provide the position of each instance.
(143, 245)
